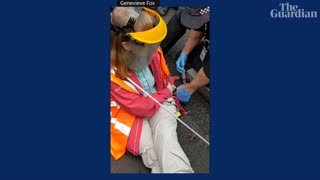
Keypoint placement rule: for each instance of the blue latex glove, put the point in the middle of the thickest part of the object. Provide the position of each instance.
(181, 62)
(183, 95)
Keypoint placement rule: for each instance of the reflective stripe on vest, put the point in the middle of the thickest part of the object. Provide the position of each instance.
(120, 126)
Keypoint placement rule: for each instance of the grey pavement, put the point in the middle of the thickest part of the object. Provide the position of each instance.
(197, 118)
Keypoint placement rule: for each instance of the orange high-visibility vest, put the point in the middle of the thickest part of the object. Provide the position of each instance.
(122, 121)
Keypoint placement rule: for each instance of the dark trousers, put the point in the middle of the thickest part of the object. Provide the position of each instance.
(175, 31)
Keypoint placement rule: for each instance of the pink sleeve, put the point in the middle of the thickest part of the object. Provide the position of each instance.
(137, 104)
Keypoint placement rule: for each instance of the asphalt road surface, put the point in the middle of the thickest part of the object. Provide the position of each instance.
(197, 118)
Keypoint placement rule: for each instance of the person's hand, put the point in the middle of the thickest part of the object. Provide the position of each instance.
(182, 94)
(171, 87)
(181, 62)
(171, 79)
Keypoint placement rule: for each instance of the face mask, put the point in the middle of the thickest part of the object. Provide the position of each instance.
(139, 64)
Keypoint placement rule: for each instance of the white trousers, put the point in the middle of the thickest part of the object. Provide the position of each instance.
(159, 146)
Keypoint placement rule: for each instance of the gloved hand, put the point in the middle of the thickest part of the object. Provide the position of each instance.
(183, 95)
(181, 62)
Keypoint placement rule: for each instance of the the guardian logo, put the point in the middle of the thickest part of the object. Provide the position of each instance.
(287, 10)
